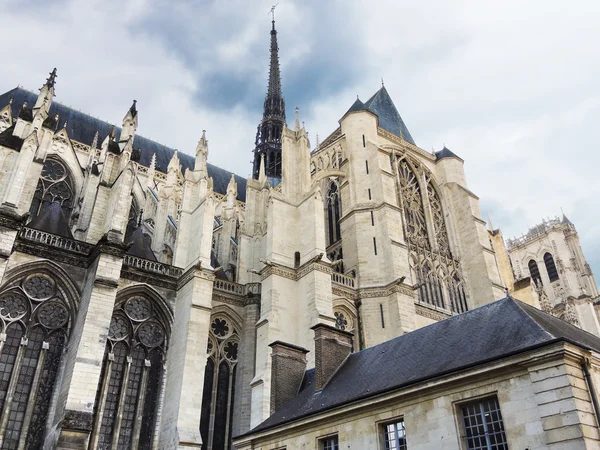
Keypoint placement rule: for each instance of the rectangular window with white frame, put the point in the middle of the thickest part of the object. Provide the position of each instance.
(329, 443)
(394, 435)
(483, 428)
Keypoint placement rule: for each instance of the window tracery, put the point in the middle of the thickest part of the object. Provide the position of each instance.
(219, 384)
(436, 272)
(54, 186)
(35, 317)
(131, 377)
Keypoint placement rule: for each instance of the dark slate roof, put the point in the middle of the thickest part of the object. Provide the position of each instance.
(446, 153)
(8, 140)
(566, 220)
(82, 128)
(140, 245)
(488, 333)
(389, 118)
(357, 106)
(52, 220)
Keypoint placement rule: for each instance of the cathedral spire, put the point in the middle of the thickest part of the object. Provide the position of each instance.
(268, 136)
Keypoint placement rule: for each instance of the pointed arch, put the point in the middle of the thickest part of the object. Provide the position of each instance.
(219, 379)
(550, 267)
(55, 185)
(534, 272)
(38, 306)
(131, 382)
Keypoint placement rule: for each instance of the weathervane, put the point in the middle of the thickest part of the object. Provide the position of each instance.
(272, 11)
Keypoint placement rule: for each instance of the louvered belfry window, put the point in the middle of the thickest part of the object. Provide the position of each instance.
(36, 319)
(534, 272)
(219, 385)
(131, 380)
(550, 267)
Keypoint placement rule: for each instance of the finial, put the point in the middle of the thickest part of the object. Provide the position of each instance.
(303, 125)
(24, 105)
(297, 124)
(10, 102)
(65, 124)
(204, 134)
(317, 144)
(133, 108)
(94, 142)
(111, 134)
(382, 85)
(51, 80)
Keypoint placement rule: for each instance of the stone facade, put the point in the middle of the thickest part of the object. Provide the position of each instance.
(174, 277)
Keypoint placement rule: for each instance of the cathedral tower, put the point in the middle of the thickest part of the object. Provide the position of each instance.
(268, 135)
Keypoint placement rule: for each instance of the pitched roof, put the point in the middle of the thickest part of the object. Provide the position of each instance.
(82, 128)
(389, 118)
(446, 153)
(357, 106)
(52, 220)
(140, 245)
(493, 331)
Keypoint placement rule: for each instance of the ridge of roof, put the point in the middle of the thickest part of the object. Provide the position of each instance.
(495, 331)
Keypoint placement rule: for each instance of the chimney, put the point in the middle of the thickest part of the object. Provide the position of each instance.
(332, 346)
(288, 364)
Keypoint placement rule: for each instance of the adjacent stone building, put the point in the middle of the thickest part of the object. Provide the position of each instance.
(149, 299)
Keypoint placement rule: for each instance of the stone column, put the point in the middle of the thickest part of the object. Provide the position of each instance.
(186, 361)
(87, 346)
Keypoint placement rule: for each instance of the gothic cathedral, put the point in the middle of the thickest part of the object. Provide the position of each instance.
(142, 289)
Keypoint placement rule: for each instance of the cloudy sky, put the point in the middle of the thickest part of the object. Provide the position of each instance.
(512, 87)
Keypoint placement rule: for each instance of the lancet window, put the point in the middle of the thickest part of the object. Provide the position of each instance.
(436, 273)
(219, 385)
(550, 267)
(534, 272)
(36, 317)
(54, 186)
(127, 401)
(333, 209)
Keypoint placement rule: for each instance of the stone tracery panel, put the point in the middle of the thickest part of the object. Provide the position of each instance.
(132, 373)
(219, 384)
(54, 186)
(36, 315)
(435, 271)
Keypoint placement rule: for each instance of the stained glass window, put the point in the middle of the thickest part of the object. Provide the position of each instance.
(36, 317)
(219, 385)
(436, 272)
(54, 186)
(131, 376)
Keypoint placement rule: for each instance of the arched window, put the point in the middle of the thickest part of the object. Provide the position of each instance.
(427, 237)
(333, 214)
(219, 385)
(550, 267)
(131, 379)
(54, 186)
(414, 212)
(534, 272)
(36, 319)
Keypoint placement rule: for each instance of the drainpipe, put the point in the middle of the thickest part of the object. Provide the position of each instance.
(585, 363)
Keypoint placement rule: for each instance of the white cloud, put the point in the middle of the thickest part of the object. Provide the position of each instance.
(511, 87)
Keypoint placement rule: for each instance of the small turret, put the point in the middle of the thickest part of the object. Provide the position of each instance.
(231, 192)
(201, 153)
(173, 170)
(130, 123)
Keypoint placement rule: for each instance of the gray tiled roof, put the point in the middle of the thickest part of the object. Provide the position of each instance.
(446, 153)
(488, 333)
(389, 118)
(82, 128)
